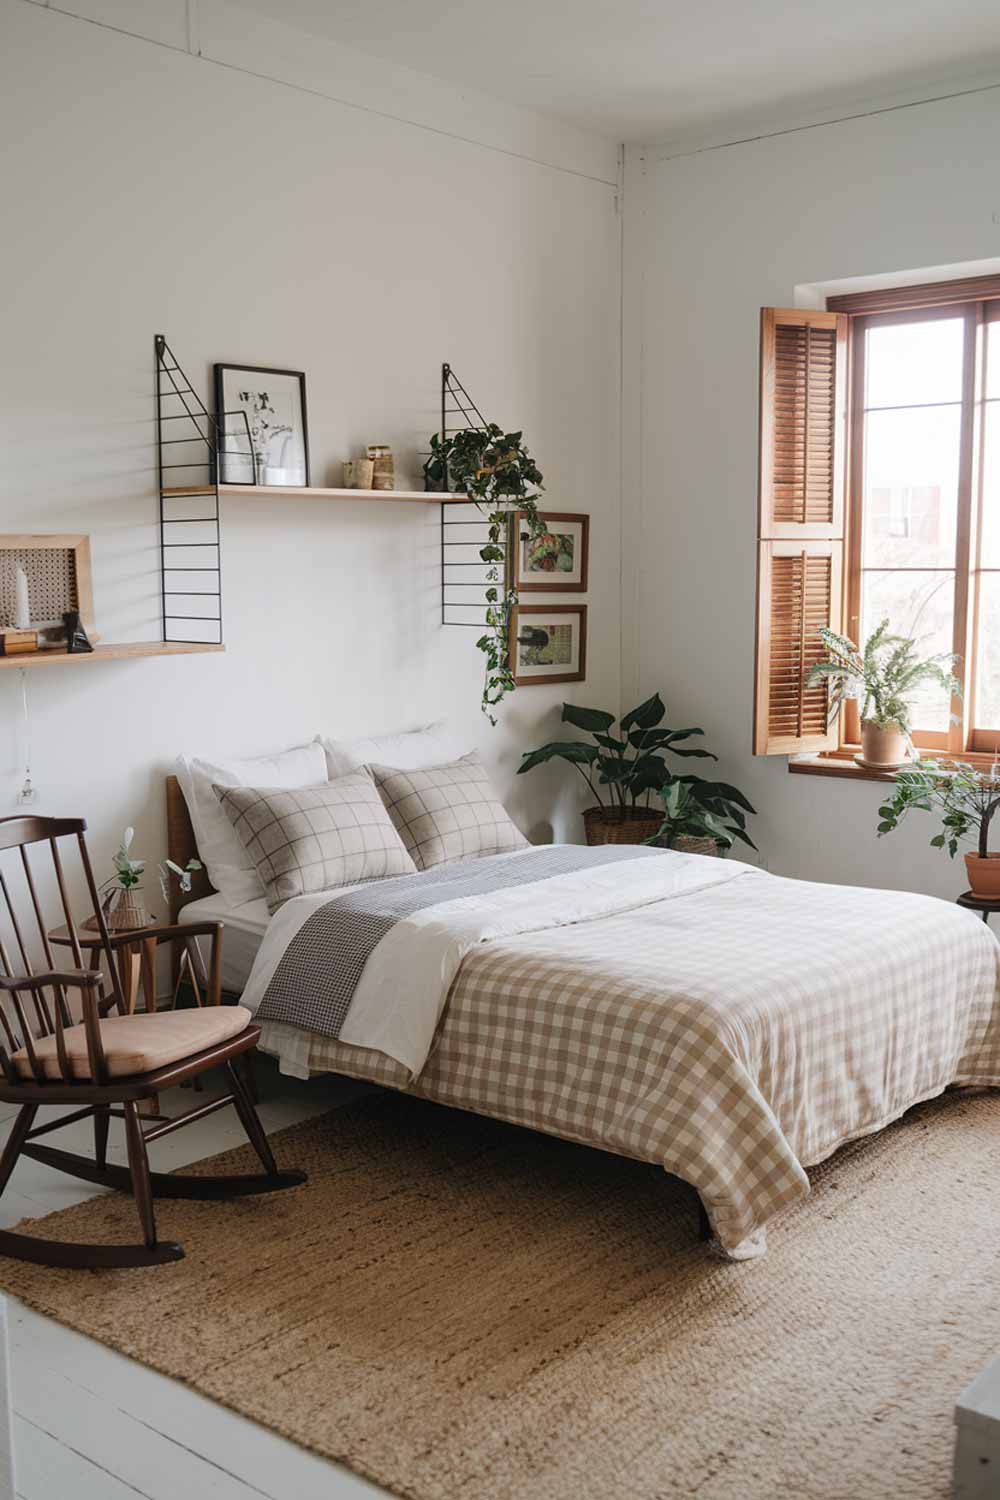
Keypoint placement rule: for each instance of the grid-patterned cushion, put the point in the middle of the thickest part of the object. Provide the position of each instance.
(447, 812)
(315, 838)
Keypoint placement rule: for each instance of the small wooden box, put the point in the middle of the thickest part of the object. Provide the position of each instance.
(18, 642)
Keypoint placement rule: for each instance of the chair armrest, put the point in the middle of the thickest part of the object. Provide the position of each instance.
(75, 978)
(171, 930)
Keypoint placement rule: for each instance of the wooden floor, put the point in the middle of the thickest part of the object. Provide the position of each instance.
(81, 1422)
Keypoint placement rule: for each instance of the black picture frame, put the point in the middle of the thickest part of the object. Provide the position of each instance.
(222, 371)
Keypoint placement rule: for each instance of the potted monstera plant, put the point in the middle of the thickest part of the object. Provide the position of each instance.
(883, 678)
(638, 798)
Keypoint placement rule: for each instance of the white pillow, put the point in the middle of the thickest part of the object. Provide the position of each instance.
(229, 866)
(407, 750)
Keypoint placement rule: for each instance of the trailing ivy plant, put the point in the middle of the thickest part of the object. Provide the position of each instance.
(497, 472)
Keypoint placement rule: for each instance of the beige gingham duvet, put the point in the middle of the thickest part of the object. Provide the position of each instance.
(733, 1036)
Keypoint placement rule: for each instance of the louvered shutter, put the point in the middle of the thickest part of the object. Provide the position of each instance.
(800, 564)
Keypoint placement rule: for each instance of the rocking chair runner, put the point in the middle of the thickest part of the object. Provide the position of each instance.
(107, 1064)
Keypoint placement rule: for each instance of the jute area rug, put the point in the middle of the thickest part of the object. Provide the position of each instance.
(460, 1310)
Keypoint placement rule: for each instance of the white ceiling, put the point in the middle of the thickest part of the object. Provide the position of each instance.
(645, 70)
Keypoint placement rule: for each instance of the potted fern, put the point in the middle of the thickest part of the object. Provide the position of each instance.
(882, 678)
(497, 472)
(966, 800)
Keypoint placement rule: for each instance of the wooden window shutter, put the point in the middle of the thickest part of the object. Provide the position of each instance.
(800, 546)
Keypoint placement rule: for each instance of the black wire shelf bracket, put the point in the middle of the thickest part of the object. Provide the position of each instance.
(190, 447)
(464, 528)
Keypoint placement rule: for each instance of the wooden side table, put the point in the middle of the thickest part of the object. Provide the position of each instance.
(984, 904)
(136, 960)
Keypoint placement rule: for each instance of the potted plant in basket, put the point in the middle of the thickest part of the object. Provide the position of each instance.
(627, 769)
(966, 800)
(496, 471)
(122, 902)
(881, 678)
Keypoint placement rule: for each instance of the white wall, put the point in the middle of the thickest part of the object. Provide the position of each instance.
(257, 219)
(710, 238)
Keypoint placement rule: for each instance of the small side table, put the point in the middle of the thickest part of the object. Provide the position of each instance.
(984, 904)
(136, 960)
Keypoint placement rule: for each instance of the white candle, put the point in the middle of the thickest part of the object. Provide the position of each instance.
(22, 611)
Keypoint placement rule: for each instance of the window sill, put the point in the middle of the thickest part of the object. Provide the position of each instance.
(842, 763)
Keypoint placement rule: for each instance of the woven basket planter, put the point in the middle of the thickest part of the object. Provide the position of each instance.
(687, 845)
(634, 827)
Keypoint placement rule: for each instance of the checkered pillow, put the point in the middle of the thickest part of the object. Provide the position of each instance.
(448, 812)
(315, 838)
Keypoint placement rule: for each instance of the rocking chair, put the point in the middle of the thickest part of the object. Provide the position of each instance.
(108, 1062)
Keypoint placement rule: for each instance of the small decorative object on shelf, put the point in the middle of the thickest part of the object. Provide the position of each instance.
(17, 642)
(966, 799)
(41, 577)
(629, 765)
(554, 560)
(383, 468)
(882, 678)
(548, 644)
(358, 474)
(76, 636)
(261, 418)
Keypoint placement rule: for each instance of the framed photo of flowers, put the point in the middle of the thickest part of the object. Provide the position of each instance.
(555, 562)
(548, 643)
(264, 434)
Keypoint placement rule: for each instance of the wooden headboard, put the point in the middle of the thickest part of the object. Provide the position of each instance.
(181, 847)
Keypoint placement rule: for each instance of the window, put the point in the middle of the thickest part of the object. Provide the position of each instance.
(880, 498)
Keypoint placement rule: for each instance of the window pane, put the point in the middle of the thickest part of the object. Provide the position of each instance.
(910, 364)
(911, 487)
(988, 675)
(991, 485)
(993, 361)
(920, 605)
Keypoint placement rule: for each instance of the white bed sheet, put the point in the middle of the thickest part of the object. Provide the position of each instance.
(243, 934)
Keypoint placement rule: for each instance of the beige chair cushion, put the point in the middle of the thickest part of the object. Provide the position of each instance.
(140, 1043)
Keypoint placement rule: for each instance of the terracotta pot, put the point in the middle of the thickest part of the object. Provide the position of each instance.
(636, 826)
(984, 874)
(887, 748)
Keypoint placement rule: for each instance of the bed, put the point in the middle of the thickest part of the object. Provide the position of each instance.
(726, 1024)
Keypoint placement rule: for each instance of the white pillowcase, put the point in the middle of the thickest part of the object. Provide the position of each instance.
(229, 866)
(407, 750)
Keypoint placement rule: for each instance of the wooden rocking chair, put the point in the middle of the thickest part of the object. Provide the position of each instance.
(106, 1064)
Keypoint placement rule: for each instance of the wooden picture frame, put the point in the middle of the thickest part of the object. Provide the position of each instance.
(572, 528)
(74, 571)
(570, 664)
(240, 460)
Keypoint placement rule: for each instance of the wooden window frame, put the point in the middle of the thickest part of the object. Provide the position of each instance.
(977, 301)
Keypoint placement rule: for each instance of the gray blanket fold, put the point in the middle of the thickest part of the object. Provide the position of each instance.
(315, 980)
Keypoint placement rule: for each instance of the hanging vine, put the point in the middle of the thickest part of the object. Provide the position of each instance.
(499, 475)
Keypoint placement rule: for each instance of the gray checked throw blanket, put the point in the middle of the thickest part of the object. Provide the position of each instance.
(314, 983)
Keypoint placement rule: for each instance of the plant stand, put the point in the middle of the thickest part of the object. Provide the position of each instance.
(986, 905)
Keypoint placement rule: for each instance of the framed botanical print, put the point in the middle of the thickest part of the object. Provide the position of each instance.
(555, 561)
(548, 644)
(263, 431)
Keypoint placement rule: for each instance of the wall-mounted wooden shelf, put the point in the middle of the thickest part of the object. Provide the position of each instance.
(300, 492)
(120, 652)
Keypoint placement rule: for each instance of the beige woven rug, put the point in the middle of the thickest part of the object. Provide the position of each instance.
(461, 1310)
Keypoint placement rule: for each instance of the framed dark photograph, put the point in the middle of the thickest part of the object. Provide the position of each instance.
(555, 562)
(264, 433)
(548, 643)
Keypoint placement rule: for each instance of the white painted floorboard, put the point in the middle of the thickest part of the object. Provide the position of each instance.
(90, 1424)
